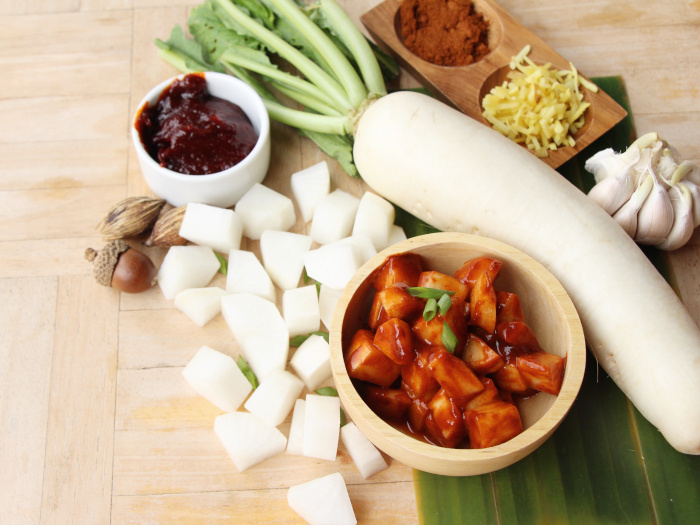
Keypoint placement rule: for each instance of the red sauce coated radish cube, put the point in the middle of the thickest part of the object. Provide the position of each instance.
(470, 270)
(508, 308)
(454, 376)
(448, 417)
(397, 302)
(387, 403)
(395, 339)
(492, 424)
(367, 363)
(480, 357)
(440, 281)
(402, 268)
(542, 371)
(483, 303)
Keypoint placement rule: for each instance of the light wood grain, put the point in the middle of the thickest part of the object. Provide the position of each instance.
(97, 425)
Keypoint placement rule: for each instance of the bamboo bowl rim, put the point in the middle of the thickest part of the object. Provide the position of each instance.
(549, 414)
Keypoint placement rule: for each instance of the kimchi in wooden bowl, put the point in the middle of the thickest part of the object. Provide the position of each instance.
(412, 415)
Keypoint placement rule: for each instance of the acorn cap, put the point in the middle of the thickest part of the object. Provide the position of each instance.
(105, 260)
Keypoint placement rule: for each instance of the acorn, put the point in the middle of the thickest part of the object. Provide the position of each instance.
(122, 267)
(166, 230)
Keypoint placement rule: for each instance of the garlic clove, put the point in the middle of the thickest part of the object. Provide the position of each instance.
(626, 216)
(655, 217)
(682, 229)
(694, 191)
(611, 193)
(606, 163)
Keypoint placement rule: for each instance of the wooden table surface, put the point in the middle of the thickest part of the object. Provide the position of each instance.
(97, 424)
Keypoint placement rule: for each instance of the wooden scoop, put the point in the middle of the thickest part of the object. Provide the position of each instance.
(464, 87)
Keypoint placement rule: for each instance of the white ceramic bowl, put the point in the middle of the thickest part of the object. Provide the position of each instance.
(224, 188)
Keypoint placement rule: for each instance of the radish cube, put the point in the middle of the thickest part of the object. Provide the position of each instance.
(200, 304)
(248, 440)
(218, 228)
(246, 275)
(375, 217)
(333, 264)
(363, 244)
(321, 426)
(295, 443)
(262, 208)
(396, 234)
(333, 217)
(300, 310)
(259, 329)
(217, 378)
(283, 256)
(323, 501)
(309, 186)
(274, 398)
(364, 454)
(312, 362)
(327, 299)
(186, 267)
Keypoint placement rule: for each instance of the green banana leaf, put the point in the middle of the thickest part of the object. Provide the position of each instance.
(605, 464)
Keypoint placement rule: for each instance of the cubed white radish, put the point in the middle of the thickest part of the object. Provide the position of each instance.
(375, 217)
(220, 229)
(327, 300)
(309, 186)
(295, 442)
(216, 377)
(363, 243)
(262, 208)
(364, 454)
(259, 330)
(186, 267)
(274, 398)
(323, 501)
(300, 310)
(312, 362)
(248, 440)
(333, 264)
(321, 426)
(200, 304)
(283, 256)
(246, 275)
(333, 217)
(396, 234)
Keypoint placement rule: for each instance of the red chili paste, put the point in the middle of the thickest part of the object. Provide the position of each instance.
(191, 132)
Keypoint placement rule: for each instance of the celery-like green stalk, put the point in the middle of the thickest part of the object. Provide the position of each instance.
(339, 125)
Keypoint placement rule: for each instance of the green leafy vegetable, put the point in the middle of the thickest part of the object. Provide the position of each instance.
(223, 263)
(247, 372)
(299, 339)
(327, 391)
(449, 339)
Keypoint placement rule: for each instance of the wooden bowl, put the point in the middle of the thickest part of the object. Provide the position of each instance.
(464, 87)
(548, 311)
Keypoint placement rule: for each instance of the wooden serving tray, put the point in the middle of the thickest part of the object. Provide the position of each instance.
(464, 87)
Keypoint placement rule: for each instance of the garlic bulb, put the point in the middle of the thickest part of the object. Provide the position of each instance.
(648, 190)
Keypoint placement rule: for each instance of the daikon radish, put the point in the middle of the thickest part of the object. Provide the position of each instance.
(459, 175)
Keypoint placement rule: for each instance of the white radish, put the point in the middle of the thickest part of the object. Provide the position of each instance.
(364, 454)
(200, 304)
(186, 267)
(363, 243)
(218, 228)
(327, 300)
(374, 217)
(246, 274)
(262, 208)
(458, 175)
(300, 310)
(309, 186)
(216, 377)
(396, 234)
(312, 362)
(260, 331)
(295, 442)
(333, 217)
(283, 256)
(248, 440)
(333, 264)
(323, 501)
(321, 426)
(274, 398)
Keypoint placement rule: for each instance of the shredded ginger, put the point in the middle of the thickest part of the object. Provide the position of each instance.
(539, 106)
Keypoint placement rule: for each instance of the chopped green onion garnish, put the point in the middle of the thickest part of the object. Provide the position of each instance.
(299, 339)
(223, 263)
(449, 339)
(430, 308)
(427, 293)
(444, 304)
(247, 372)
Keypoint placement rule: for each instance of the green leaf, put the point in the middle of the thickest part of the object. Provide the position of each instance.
(299, 339)
(430, 309)
(448, 337)
(190, 53)
(338, 147)
(428, 293)
(327, 391)
(247, 372)
(223, 263)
